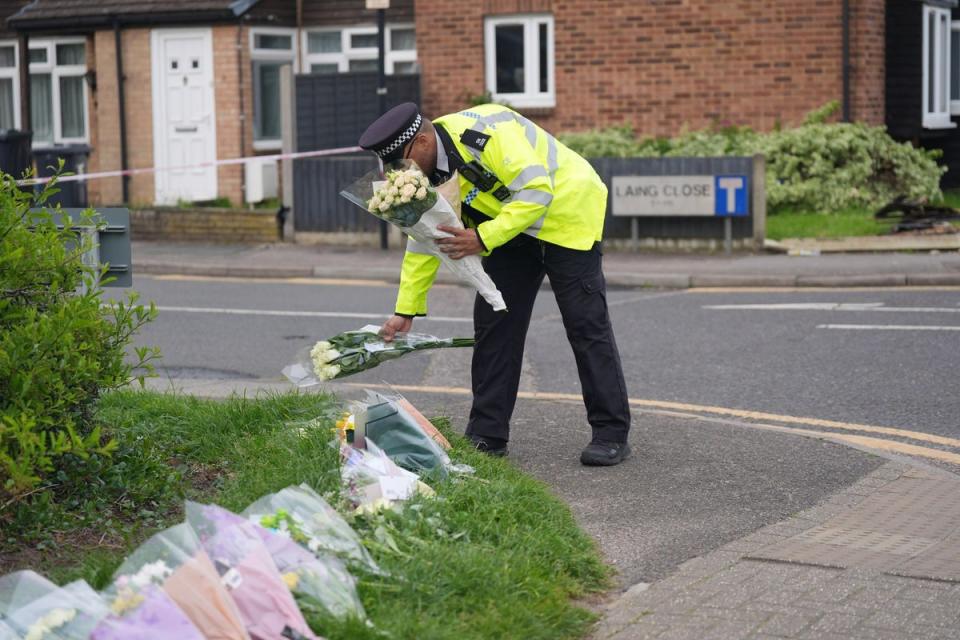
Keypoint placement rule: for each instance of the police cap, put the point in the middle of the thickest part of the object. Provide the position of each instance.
(391, 131)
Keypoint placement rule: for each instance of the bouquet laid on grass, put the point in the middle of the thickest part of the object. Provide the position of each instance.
(304, 516)
(354, 351)
(405, 198)
(371, 481)
(37, 609)
(139, 608)
(265, 603)
(321, 584)
(175, 560)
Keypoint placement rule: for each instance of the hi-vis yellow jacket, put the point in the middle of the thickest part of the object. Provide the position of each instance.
(555, 195)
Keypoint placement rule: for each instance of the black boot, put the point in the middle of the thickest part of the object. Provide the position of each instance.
(601, 453)
(491, 446)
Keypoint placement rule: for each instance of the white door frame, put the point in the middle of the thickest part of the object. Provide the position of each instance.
(158, 69)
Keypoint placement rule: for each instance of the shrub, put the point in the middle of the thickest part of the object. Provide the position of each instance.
(60, 346)
(817, 166)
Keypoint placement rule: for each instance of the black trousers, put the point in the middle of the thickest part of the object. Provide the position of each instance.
(576, 278)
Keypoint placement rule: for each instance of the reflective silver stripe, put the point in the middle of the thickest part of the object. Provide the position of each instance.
(415, 247)
(535, 228)
(533, 196)
(552, 157)
(525, 176)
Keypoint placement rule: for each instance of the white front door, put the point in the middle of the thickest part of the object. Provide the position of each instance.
(184, 123)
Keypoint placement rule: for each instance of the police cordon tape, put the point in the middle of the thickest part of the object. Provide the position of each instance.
(203, 165)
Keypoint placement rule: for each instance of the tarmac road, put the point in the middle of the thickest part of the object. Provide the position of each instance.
(707, 469)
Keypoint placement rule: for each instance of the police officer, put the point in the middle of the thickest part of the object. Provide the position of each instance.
(533, 208)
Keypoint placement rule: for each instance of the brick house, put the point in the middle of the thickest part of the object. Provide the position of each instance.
(200, 81)
(660, 65)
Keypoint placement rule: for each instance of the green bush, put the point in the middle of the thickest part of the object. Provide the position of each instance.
(60, 347)
(816, 167)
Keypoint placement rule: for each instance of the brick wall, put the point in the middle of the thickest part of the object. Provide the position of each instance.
(868, 59)
(667, 64)
(204, 225)
(227, 79)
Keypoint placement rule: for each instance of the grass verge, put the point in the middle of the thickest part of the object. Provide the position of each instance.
(492, 556)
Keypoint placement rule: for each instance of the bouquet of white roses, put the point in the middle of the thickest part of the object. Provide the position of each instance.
(351, 352)
(406, 199)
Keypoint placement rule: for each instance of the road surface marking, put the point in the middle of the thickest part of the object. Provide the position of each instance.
(888, 327)
(698, 409)
(300, 314)
(337, 282)
(831, 306)
(818, 290)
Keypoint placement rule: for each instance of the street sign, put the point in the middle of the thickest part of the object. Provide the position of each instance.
(701, 195)
(378, 4)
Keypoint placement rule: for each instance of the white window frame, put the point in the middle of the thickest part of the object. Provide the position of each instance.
(270, 55)
(954, 104)
(60, 71)
(347, 53)
(939, 42)
(531, 96)
(13, 73)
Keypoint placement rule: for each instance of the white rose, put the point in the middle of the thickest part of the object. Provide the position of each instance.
(329, 373)
(421, 193)
(393, 191)
(408, 191)
(404, 199)
(373, 204)
(384, 206)
(332, 354)
(424, 182)
(401, 180)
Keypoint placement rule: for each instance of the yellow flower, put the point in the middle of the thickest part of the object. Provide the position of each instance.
(291, 579)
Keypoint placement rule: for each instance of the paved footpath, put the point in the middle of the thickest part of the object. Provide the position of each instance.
(878, 560)
(622, 268)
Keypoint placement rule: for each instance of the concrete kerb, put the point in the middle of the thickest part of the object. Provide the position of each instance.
(614, 278)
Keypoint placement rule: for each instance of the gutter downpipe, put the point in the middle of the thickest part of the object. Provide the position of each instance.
(121, 98)
(243, 112)
(845, 20)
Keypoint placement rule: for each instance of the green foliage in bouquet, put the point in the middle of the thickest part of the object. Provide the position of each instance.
(816, 167)
(59, 347)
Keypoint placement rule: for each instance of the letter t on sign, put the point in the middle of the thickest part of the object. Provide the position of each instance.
(731, 186)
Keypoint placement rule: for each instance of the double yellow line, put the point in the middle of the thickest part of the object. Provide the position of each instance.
(849, 433)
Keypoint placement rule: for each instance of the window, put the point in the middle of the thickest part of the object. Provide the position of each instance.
(355, 49)
(9, 86)
(936, 68)
(270, 49)
(519, 59)
(58, 91)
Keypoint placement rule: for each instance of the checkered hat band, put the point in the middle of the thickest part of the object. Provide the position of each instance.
(402, 140)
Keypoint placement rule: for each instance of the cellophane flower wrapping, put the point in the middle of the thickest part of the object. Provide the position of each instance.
(37, 609)
(321, 584)
(266, 605)
(140, 608)
(420, 222)
(351, 352)
(386, 421)
(303, 514)
(185, 573)
(372, 481)
(7, 632)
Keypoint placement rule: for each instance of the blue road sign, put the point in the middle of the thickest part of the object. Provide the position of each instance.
(731, 196)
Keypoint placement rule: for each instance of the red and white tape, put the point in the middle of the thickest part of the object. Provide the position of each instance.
(203, 165)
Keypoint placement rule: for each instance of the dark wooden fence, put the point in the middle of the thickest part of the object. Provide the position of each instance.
(333, 111)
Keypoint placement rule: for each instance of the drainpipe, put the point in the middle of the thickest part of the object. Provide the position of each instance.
(846, 60)
(121, 99)
(24, 55)
(243, 112)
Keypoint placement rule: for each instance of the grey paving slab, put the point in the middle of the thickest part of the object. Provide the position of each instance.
(762, 598)
(909, 527)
